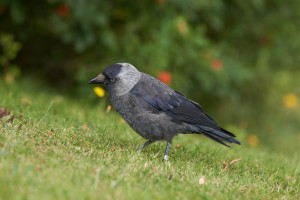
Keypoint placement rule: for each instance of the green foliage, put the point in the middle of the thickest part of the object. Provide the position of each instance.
(55, 147)
(154, 35)
(185, 38)
(229, 55)
(10, 49)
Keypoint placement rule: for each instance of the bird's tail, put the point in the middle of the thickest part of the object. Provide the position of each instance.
(221, 136)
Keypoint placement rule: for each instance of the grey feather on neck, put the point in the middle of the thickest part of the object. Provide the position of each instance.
(126, 79)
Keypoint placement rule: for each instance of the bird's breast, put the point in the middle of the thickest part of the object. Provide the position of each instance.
(150, 124)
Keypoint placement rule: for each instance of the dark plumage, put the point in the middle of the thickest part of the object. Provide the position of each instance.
(154, 110)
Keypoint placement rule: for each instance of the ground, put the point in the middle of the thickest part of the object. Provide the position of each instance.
(58, 147)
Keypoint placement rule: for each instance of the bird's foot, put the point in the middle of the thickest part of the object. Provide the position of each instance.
(165, 158)
(144, 146)
(167, 151)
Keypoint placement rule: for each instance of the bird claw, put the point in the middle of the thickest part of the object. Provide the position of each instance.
(165, 158)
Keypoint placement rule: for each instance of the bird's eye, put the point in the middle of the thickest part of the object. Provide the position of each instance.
(112, 80)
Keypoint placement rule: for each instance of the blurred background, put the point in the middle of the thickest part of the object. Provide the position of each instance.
(239, 59)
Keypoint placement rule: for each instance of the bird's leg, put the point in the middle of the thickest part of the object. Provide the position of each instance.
(145, 145)
(167, 151)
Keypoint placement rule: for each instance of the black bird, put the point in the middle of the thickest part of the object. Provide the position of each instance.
(154, 110)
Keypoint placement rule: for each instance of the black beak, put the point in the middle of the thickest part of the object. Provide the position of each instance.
(99, 79)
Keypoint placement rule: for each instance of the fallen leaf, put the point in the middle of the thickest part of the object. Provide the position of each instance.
(11, 119)
(4, 112)
(145, 165)
(50, 133)
(113, 148)
(234, 161)
(225, 165)
(202, 180)
(85, 127)
(108, 108)
(38, 168)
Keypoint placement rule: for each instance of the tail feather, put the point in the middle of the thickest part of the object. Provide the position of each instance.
(217, 140)
(221, 136)
(227, 132)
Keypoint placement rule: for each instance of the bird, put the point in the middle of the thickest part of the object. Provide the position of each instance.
(154, 110)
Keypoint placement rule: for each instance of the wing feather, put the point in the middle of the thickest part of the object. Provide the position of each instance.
(181, 110)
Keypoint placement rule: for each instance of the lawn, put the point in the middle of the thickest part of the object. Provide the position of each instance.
(57, 147)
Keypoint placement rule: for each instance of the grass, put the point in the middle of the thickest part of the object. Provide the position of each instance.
(56, 147)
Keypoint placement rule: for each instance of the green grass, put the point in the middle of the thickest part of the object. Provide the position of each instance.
(58, 147)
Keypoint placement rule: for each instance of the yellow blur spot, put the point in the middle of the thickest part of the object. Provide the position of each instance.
(99, 91)
(290, 101)
(182, 26)
(25, 100)
(108, 108)
(9, 78)
(252, 140)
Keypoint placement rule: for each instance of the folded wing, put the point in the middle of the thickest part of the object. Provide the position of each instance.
(183, 110)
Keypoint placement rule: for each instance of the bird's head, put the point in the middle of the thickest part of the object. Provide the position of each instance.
(118, 78)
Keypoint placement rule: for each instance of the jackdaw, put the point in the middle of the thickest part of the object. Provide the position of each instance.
(154, 110)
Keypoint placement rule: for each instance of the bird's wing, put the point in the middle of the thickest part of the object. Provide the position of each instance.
(176, 105)
(160, 98)
(181, 109)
